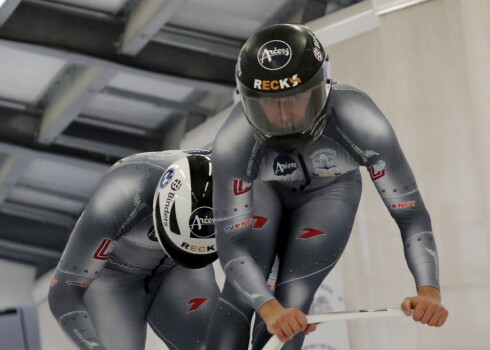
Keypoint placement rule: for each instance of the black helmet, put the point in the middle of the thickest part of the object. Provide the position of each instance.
(283, 79)
(183, 212)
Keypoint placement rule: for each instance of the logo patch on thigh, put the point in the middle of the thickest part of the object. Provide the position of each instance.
(310, 232)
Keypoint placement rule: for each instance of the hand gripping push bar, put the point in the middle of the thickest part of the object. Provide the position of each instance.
(275, 344)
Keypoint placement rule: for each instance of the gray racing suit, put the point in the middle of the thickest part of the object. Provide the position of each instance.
(114, 277)
(303, 209)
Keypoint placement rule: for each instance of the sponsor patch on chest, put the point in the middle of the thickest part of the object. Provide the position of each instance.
(284, 165)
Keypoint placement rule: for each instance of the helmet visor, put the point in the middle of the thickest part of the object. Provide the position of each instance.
(286, 115)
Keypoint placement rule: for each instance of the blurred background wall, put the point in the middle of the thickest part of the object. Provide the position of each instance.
(427, 68)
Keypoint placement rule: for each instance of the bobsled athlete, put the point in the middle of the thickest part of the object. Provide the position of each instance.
(114, 277)
(304, 137)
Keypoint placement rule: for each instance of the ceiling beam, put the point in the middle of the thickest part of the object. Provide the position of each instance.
(290, 12)
(44, 259)
(203, 135)
(184, 107)
(18, 136)
(70, 99)
(96, 146)
(342, 25)
(175, 134)
(10, 171)
(92, 41)
(37, 233)
(314, 9)
(206, 43)
(25, 186)
(36, 154)
(117, 126)
(387, 6)
(84, 60)
(6, 9)
(28, 250)
(144, 22)
(37, 214)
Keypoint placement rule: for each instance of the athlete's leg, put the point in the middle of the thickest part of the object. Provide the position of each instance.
(117, 304)
(182, 306)
(230, 325)
(319, 230)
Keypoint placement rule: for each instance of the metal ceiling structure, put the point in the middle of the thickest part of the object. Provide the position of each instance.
(84, 83)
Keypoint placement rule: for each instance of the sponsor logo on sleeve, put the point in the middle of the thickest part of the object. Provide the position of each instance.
(194, 304)
(406, 204)
(319, 346)
(78, 284)
(88, 344)
(238, 225)
(377, 171)
(365, 155)
(274, 55)
(240, 187)
(103, 252)
(284, 165)
(139, 205)
(257, 221)
(53, 282)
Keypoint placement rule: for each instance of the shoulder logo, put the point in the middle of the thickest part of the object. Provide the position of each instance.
(377, 171)
(240, 187)
(103, 251)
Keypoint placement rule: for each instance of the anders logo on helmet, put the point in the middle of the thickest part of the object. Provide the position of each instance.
(201, 223)
(274, 55)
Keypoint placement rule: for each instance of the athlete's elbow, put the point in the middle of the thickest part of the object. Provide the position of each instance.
(55, 300)
(52, 302)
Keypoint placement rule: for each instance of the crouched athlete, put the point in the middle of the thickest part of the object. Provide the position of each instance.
(114, 277)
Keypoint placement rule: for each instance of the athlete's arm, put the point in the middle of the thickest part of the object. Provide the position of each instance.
(235, 165)
(83, 259)
(378, 149)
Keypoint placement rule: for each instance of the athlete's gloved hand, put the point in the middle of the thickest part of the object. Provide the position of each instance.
(284, 322)
(427, 307)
